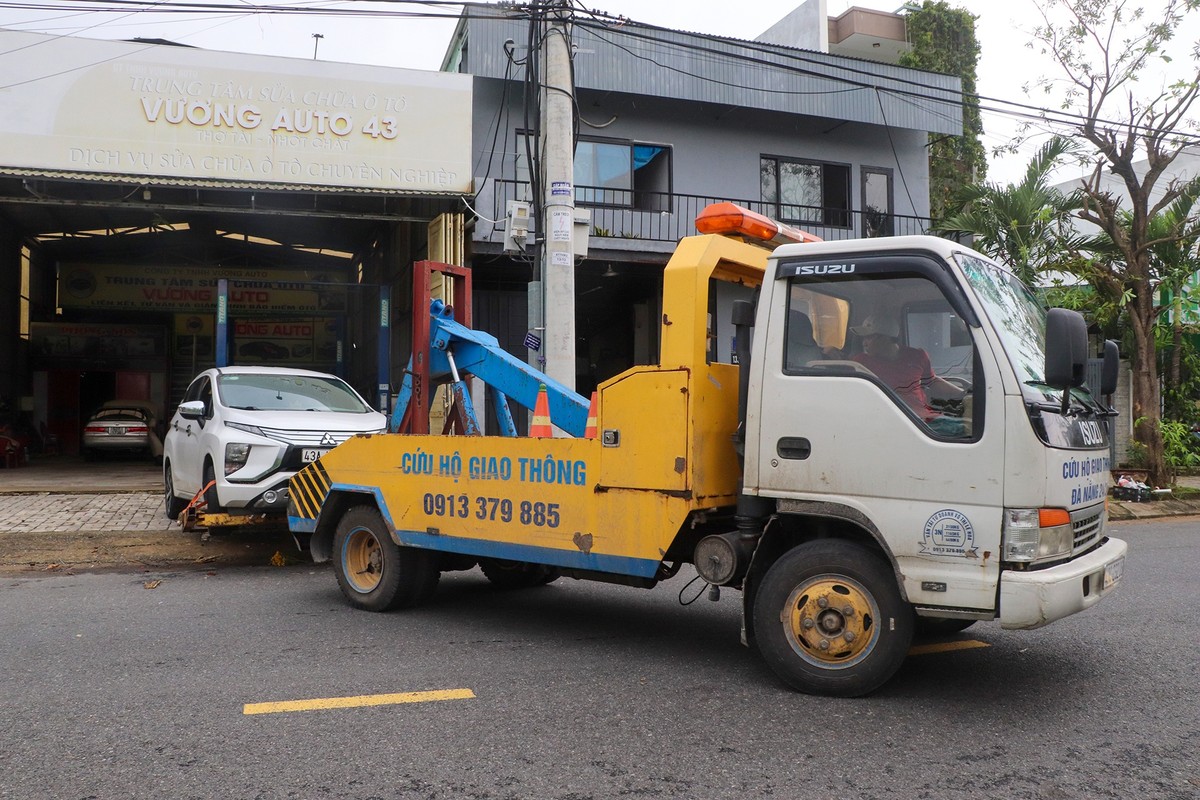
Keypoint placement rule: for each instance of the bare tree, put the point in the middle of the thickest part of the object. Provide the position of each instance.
(1136, 130)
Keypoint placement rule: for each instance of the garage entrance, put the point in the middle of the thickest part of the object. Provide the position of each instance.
(120, 309)
(154, 173)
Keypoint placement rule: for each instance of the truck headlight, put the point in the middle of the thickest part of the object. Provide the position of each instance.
(1036, 534)
(236, 454)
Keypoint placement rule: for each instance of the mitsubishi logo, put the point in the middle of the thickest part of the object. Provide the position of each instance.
(328, 441)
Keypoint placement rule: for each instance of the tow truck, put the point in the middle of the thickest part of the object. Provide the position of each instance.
(897, 438)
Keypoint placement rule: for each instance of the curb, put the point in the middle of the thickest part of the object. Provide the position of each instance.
(1152, 509)
(75, 551)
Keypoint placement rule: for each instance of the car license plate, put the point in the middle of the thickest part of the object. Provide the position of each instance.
(311, 454)
(116, 430)
(1113, 571)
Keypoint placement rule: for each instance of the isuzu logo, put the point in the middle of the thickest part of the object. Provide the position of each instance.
(328, 441)
(1093, 434)
(825, 269)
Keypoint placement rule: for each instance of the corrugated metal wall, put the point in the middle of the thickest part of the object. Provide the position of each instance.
(645, 61)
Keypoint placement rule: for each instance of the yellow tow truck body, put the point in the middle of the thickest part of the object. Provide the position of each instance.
(613, 504)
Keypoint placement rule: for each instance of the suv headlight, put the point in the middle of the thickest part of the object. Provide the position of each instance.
(236, 454)
(1036, 534)
(241, 426)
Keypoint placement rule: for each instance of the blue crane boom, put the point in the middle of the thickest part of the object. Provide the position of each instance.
(456, 350)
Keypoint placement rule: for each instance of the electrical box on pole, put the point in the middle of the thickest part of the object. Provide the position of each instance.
(516, 226)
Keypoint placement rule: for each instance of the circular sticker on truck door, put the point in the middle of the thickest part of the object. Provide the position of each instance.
(949, 533)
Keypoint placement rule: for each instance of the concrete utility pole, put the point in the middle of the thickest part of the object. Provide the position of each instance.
(558, 198)
(317, 37)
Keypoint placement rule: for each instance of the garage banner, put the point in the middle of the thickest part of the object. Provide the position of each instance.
(137, 109)
(296, 343)
(93, 345)
(194, 289)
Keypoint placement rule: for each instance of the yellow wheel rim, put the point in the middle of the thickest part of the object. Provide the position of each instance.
(363, 560)
(831, 621)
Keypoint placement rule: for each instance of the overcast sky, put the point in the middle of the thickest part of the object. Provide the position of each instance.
(1003, 29)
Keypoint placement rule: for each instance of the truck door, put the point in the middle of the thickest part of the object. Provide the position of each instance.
(880, 402)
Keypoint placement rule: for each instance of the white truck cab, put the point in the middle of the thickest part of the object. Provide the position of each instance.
(913, 390)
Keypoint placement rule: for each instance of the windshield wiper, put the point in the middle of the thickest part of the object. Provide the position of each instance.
(1071, 405)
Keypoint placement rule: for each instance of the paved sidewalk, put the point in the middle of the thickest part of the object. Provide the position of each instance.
(132, 511)
(68, 514)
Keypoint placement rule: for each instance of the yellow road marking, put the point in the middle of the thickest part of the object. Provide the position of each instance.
(946, 647)
(357, 702)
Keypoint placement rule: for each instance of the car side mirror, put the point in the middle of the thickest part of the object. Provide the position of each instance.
(1108, 372)
(192, 409)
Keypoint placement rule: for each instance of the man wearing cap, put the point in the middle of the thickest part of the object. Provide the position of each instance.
(905, 369)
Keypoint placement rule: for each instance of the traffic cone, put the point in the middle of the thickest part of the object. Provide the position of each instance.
(589, 432)
(540, 426)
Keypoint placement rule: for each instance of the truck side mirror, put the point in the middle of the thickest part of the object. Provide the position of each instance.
(1108, 372)
(1066, 348)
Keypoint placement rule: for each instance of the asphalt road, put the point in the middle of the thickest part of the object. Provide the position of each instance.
(136, 685)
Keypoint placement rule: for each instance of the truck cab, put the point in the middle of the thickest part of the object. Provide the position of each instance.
(899, 399)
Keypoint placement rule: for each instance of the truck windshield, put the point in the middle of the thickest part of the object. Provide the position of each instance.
(1021, 322)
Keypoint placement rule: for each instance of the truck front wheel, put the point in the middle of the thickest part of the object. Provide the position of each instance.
(829, 619)
(374, 572)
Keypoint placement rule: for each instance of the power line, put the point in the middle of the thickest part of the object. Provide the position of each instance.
(598, 21)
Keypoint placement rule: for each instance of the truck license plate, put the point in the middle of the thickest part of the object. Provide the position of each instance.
(1113, 571)
(311, 454)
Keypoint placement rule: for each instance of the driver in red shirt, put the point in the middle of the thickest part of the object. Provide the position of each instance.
(905, 369)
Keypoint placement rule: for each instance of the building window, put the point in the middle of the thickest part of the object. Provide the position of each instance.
(877, 219)
(807, 192)
(614, 172)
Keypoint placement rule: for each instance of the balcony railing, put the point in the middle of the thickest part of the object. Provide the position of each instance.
(665, 217)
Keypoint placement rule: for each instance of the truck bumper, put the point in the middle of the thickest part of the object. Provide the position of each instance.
(1033, 599)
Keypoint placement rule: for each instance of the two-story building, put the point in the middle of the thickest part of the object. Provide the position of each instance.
(795, 125)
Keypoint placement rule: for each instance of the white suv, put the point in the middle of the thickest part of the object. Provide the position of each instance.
(247, 430)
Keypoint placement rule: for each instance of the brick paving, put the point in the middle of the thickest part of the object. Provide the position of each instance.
(44, 512)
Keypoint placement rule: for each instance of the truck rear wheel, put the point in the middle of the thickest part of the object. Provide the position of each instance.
(375, 573)
(829, 619)
(516, 574)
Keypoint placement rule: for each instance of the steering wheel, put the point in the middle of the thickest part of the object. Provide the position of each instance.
(958, 381)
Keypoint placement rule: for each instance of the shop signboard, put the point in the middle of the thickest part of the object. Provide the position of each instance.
(143, 110)
(310, 342)
(192, 290)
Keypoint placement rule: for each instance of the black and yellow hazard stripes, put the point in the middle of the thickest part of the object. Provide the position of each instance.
(307, 491)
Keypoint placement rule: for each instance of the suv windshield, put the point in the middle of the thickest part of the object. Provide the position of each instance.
(268, 392)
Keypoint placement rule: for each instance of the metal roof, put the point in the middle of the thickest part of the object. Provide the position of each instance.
(159, 180)
(654, 62)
